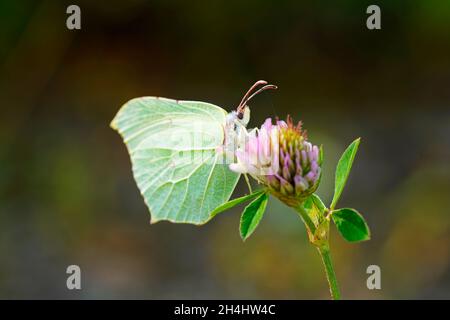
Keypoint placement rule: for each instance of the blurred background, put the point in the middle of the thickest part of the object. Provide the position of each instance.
(67, 195)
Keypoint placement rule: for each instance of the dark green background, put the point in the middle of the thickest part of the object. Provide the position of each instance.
(67, 195)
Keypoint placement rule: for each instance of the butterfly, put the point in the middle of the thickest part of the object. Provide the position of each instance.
(180, 151)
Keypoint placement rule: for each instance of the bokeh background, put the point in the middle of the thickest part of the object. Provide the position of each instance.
(67, 195)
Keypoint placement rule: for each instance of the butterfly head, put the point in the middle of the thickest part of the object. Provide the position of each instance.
(243, 117)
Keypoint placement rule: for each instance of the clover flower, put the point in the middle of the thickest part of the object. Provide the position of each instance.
(280, 157)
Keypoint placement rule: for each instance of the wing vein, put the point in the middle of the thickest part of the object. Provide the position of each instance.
(207, 183)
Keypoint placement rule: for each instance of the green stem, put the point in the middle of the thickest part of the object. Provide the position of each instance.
(324, 252)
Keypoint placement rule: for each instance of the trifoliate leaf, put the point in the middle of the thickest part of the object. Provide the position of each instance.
(252, 215)
(235, 202)
(343, 169)
(351, 225)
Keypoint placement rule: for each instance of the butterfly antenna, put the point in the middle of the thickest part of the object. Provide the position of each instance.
(250, 94)
(267, 87)
(245, 97)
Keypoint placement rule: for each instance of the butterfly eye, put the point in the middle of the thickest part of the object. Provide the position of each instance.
(240, 115)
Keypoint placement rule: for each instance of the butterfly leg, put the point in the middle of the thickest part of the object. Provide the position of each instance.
(248, 183)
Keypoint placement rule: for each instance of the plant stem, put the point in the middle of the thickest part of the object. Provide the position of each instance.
(324, 252)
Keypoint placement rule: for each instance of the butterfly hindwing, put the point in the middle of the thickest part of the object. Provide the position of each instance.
(175, 153)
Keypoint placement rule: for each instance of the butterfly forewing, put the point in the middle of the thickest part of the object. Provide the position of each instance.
(175, 150)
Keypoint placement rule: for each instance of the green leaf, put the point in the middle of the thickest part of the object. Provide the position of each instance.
(351, 225)
(252, 215)
(343, 169)
(318, 202)
(234, 202)
(315, 209)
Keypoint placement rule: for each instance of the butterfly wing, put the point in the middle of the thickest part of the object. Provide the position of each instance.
(175, 150)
